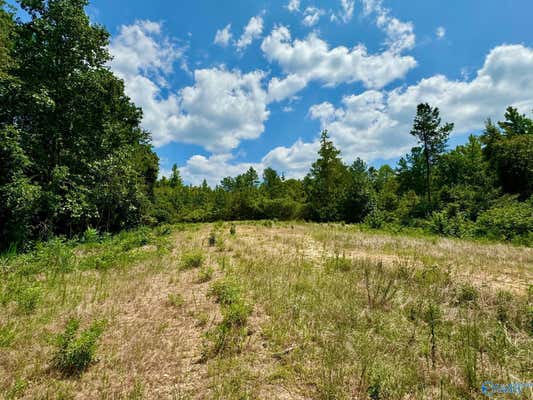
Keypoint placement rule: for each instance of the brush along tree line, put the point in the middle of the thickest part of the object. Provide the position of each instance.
(73, 156)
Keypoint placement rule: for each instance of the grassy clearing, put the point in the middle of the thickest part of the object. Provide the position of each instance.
(265, 310)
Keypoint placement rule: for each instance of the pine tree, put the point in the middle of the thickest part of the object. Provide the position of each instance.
(431, 136)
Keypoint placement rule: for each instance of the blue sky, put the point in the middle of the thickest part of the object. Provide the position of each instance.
(229, 85)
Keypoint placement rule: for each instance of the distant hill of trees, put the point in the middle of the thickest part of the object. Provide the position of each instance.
(73, 155)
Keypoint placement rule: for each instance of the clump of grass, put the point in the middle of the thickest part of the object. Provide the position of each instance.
(232, 230)
(28, 298)
(192, 260)
(76, 352)
(205, 274)
(467, 294)
(227, 337)
(338, 264)
(7, 336)
(504, 301)
(176, 300)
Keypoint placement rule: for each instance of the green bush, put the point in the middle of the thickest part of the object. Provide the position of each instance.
(91, 235)
(192, 260)
(375, 219)
(449, 224)
(76, 352)
(512, 221)
(225, 292)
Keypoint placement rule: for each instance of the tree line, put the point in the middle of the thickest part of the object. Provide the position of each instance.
(481, 188)
(73, 155)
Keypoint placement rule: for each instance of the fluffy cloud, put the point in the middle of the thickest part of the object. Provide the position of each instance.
(252, 31)
(312, 15)
(223, 36)
(294, 5)
(219, 110)
(347, 7)
(375, 124)
(141, 48)
(311, 59)
(400, 35)
(293, 162)
(214, 168)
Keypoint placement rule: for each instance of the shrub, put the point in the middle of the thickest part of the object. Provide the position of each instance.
(225, 292)
(444, 223)
(375, 220)
(192, 260)
(91, 235)
(76, 352)
(510, 221)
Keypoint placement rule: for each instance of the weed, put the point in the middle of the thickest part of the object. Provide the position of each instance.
(467, 294)
(17, 390)
(192, 260)
(212, 239)
(432, 317)
(232, 230)
(28, 298)
(91, 235)
(225, 292)
(76, 352)
(380, 284)
(176, 300)
(205, 274)
(7, 335)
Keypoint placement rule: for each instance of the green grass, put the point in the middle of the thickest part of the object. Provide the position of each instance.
(319, 311)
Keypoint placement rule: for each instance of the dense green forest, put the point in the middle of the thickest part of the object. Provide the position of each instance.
(73, 156)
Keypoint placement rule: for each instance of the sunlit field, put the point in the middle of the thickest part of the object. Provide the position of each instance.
(265, 310)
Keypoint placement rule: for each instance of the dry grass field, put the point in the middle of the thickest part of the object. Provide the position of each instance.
(265, 311)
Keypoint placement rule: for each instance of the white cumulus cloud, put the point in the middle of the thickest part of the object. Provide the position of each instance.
(223, 36)
(311, 59)
(252, 31)
(219, 110)
(312, 16)
(375, 124)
